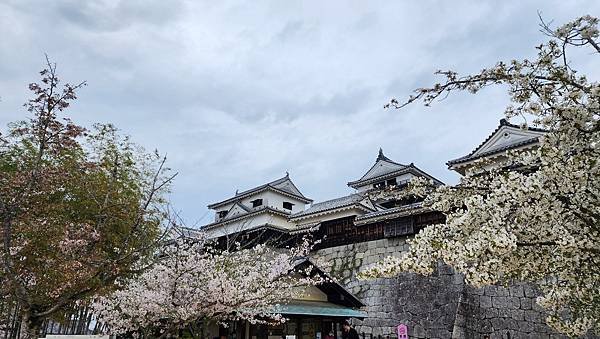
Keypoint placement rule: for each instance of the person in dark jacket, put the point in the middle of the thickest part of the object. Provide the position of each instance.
(348, 332)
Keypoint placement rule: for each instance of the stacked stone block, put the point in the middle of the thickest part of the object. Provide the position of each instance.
(438, 306)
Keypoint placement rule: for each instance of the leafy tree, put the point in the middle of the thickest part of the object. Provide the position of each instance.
(78, 208)
(535, 217)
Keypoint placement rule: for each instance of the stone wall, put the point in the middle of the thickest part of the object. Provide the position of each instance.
(437, 306)
(500, 312)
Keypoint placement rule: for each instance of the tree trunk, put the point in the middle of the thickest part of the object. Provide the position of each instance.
(30, 326)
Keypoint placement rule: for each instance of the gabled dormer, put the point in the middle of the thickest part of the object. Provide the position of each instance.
(505, 137)
(235, 210)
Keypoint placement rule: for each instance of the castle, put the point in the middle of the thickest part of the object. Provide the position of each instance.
(358, 230)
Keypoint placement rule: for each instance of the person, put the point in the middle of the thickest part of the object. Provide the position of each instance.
(348, 332)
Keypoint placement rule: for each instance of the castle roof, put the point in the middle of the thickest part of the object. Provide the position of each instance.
(241, 216)
(390, 213)
(384, 168)
(352, 200)
(283, 186)
(505, 137)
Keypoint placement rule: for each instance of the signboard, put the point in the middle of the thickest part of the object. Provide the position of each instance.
(402, 331)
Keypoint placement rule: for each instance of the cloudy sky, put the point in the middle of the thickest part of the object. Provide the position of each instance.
(239, 92)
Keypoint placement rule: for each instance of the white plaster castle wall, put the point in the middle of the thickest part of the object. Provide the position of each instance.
(250, 223)
(238, 226)
(270, 198)
(275, 200)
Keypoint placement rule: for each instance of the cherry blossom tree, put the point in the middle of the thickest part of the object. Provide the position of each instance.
(78, 208)
(194, 284)
(536, 216)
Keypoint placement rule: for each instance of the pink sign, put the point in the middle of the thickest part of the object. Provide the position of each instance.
(402, 331)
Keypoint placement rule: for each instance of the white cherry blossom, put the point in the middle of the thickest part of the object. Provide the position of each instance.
(534, 217)
(194, 284)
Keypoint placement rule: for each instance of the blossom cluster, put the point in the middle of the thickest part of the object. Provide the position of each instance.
(530, 215)
(194, 283)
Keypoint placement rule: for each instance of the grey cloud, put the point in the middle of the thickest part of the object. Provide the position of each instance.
(290, 31)
(106, 16)
(239, 92)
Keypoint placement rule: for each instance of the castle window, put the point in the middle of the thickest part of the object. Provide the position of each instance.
(379, 185)
(399, 227)
(385, 183)
(287, 205)
(257, 202)
(222, 214)
(403, 183)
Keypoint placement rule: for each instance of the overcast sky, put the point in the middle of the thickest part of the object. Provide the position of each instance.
(239, 92)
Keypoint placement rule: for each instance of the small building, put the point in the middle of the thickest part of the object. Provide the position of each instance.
(319, 313)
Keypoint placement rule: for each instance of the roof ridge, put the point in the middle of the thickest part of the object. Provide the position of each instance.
(505, 122)
(338, 198)
(281, 180)
(382, 156)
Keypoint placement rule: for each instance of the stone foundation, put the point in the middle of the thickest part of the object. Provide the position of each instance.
(438, 306)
